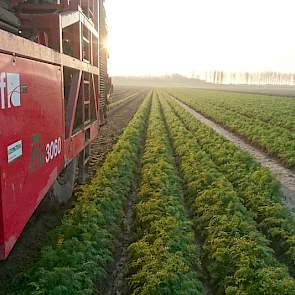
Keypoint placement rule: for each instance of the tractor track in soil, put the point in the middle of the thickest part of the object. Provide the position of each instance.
(284, 175)
(120, 93)
(27, 249)
(119, 118)
(118, 96)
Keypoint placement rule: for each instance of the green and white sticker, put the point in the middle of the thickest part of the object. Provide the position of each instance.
(14, 151)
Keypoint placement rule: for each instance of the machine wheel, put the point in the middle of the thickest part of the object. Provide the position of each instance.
(63, 187)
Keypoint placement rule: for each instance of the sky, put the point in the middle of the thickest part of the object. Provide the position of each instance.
(159, 37)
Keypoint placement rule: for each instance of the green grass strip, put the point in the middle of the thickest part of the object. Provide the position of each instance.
(164, 258)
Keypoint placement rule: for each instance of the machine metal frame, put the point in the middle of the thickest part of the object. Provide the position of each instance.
(62, 40)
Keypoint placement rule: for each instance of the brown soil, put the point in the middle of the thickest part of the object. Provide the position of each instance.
(284, 175)
(121, 93)
(119, 118)
(27, 249)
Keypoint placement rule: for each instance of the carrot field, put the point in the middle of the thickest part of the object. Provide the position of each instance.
(265, 121)
(206, 217)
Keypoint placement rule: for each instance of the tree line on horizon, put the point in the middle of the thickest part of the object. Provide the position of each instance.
(256, 78)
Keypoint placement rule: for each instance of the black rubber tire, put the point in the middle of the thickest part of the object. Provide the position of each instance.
(62, 189)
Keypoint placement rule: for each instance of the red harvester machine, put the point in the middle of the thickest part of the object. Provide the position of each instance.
(54, 88)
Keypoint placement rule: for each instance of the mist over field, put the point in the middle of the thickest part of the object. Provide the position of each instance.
(177, 80)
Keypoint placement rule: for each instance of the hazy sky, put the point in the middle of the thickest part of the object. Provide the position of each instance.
(154, 37)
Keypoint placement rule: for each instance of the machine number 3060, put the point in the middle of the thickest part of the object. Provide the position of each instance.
(53, 149)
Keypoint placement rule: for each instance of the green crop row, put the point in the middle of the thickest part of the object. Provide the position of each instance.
(163, 259)
(76, 257)
(238, 257)
(266, 133)
(254, 184)
(274, 110)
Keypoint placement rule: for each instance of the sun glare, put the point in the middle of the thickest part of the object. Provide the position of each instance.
(160, 37)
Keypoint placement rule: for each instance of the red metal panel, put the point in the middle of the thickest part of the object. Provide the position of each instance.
(31, 140)
(48, 23)
(10, 43)
(33, 150)
(76, 143)
(1, 226)
(72, 105)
